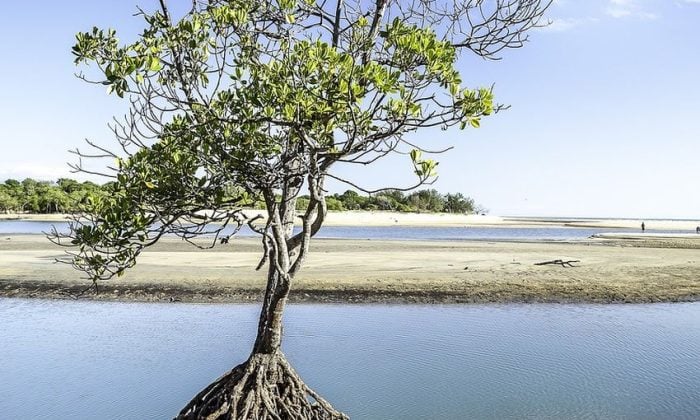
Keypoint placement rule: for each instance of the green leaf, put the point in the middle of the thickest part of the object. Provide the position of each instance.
(454, 88)
(415, 155)
(154, 63)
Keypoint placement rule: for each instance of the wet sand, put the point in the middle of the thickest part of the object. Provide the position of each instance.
(635, 268)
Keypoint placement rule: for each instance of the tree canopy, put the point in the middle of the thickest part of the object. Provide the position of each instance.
(239, 101)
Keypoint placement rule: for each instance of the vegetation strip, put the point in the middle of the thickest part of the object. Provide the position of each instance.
(68, 195)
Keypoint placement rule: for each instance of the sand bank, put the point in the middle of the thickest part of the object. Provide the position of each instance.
(343, 218)
(609, 270)
(651, 224)
(55, 217)
(385, 218)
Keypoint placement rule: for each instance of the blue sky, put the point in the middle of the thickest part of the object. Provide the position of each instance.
(604, 117)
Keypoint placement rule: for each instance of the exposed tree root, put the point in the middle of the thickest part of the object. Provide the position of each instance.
(264, 387)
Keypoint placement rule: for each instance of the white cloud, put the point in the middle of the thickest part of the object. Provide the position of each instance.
(565, 24)
(684, 3)
(630, 9)
(617, 12)
(617, 9)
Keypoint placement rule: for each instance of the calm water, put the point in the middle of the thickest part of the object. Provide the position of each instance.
(87, 360)
(389, 232)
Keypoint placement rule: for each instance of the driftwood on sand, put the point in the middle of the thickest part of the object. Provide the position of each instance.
(567, 263)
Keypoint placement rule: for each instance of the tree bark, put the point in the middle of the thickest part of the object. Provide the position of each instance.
(281, 218)
(269, 338)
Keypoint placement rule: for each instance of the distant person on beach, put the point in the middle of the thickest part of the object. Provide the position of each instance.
(643, 227)
(697, 229)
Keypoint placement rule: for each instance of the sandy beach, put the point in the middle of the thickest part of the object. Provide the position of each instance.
(641, 268)
(388, 218)
(343, 218)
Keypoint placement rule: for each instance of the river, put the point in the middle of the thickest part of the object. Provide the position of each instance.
(533, 233)
(99, 360)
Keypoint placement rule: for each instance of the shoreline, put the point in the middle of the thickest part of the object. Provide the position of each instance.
(147, 294)
(388, 218)
(642, 270)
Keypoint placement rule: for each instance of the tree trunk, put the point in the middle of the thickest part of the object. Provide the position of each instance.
(269, 338)
(265, 386)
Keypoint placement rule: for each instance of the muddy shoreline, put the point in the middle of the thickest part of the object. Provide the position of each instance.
(635, 270)
(154, 293)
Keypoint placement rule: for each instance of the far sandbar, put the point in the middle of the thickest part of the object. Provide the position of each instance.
(388, 218)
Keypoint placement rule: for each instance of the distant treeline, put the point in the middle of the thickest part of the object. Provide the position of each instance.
(67, 195)
(31, 196)
(427, 201)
